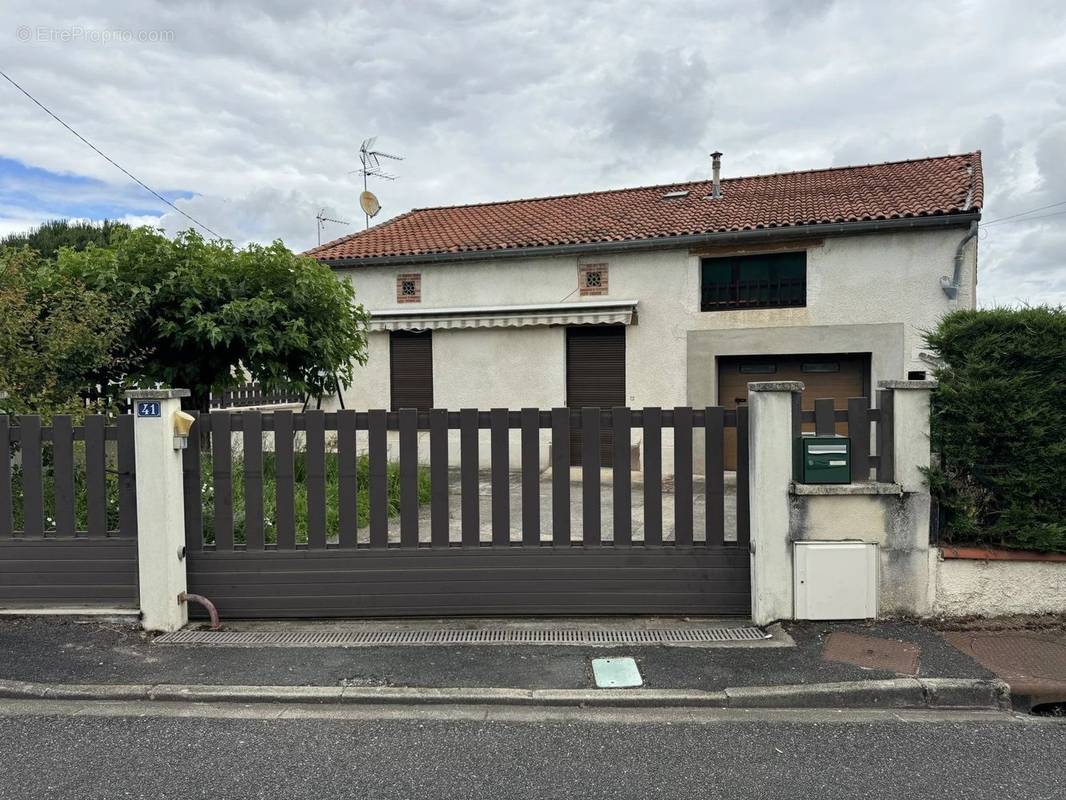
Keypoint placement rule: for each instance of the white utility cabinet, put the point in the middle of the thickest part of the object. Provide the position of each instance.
(836, 580)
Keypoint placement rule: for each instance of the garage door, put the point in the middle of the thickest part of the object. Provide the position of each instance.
(834, 375)
(595, 378)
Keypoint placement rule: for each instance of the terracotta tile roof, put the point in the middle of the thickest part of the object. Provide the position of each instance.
(921, 187)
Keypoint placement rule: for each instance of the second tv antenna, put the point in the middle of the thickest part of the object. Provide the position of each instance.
(371, 161)
(323, 219)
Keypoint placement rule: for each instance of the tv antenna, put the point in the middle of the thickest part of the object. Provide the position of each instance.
(323, 219)
(371, 161)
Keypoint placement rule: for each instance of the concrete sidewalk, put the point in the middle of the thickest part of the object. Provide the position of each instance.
(890, 664)
(1029, 654)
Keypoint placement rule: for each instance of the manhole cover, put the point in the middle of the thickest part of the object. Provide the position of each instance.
(870, 652)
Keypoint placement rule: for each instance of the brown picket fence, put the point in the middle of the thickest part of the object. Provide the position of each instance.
(68, 511)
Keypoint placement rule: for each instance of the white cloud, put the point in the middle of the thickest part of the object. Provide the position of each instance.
(259, 215)
(258, 108)
(16, 224)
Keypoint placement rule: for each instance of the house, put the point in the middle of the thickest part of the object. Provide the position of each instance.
(667, 295)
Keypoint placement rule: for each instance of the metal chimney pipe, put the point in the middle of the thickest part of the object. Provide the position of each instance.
(716, 174)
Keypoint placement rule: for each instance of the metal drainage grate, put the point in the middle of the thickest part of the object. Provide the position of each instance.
(556, 636)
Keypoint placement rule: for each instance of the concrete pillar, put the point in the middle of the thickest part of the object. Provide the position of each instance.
(910, 433)
(906, 585)
(160, 509)
(769, 475)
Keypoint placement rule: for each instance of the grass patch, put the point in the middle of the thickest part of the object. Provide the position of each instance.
(48, 499)
(207, 494)
(332, 480)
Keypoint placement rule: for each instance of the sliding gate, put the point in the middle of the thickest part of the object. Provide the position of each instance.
(440, 513)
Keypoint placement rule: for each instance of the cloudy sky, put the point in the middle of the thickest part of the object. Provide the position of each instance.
(249, 115)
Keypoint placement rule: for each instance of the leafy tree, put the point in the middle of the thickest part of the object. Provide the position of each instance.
(59, 340)
(207, 310)
(49, 237)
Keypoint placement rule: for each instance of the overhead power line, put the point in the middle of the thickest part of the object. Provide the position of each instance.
(1042, 216)
(107, 158)
(1026, 213)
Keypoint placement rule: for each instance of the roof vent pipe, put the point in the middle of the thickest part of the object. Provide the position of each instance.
(716, 174)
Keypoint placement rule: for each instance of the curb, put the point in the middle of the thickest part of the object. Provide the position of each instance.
(938, 693)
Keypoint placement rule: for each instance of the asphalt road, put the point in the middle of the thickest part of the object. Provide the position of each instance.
(52, 750)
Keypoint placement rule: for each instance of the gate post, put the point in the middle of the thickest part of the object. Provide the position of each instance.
(910, 431)
(160, 509)
(906, 583)
(770, 434)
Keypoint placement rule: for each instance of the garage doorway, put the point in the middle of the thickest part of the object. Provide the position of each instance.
(833, 375)
(595, 378)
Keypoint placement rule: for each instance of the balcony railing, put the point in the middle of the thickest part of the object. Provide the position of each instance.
(783, 293)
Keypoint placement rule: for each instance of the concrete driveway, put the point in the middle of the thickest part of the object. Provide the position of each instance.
(699, 509)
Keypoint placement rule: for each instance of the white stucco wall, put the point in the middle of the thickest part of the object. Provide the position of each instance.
(966, 588)
(505, 368)
(501, 366)
(851, 281)
(370, 388)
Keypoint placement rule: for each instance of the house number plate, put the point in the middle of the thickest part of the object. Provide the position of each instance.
(148, 409)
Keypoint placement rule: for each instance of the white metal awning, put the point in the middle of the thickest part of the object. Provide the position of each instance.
(594, 312)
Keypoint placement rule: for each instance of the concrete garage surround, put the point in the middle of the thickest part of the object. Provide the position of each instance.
(885, 343)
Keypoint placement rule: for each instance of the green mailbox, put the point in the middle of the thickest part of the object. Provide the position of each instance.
(823, 459)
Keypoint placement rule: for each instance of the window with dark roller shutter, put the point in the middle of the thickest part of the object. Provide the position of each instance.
(411, 369)
(595, 378)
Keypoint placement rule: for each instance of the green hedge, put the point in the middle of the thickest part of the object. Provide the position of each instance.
(999, 425)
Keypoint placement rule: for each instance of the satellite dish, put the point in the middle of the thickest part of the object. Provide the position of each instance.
(369, 203)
